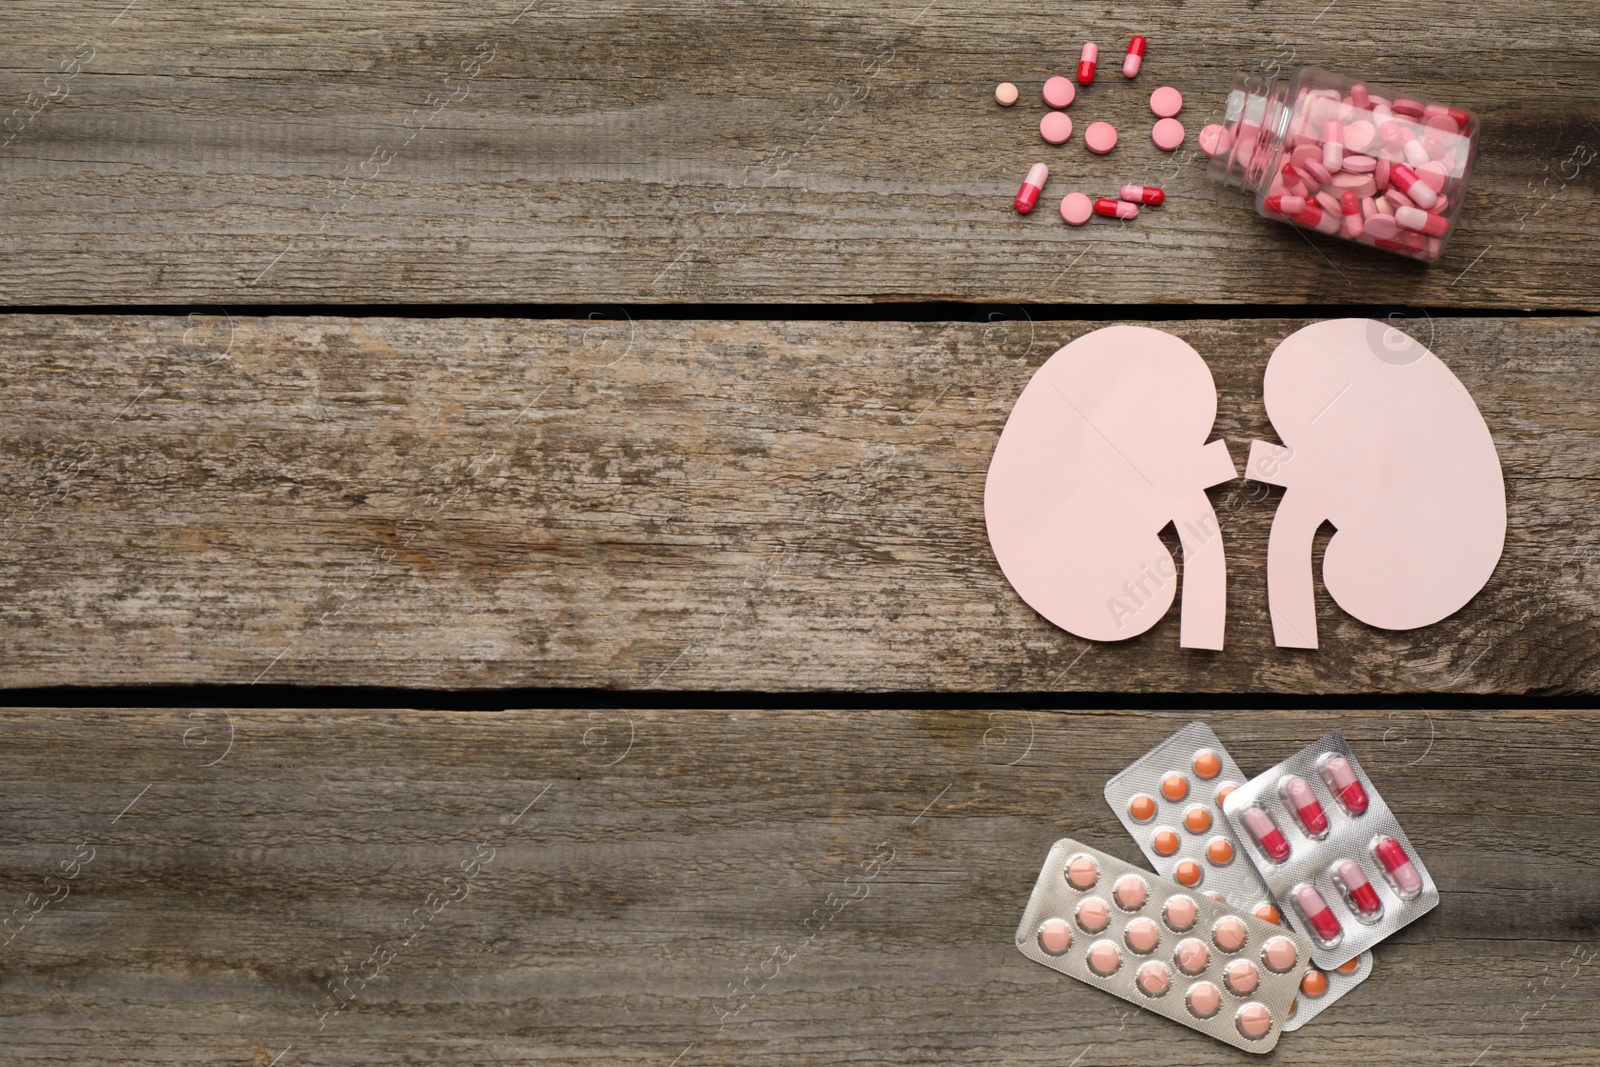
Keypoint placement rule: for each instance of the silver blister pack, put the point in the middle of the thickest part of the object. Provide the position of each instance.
(1194, 761)
(1177, 953)
(1331, 851)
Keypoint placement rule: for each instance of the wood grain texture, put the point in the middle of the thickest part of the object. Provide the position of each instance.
(644, 862)
(652, 152)
(757, 506)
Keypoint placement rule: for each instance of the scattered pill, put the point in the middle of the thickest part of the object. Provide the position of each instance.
(1174, 786)
(1116, 209)
(1318, 914)
(1214, 139)
(1055, 127)
(1083, 872)
(1220, 851)
(1266, 833)
(1055, 936)
(1142, 936)
(1086, 62)
(1166, 102)
(1229, 933)
(1341, 777)
(1397, 865)
(1165, 842)
(1135, 57)
(1203, 999)
(1093, 915)
(1353, 880)
(1005, 94)
(1197, 820)
(1101, 137)
(1253, 1020)
(1167, 134)
(1104, 958)
(1278, 954)
(1302, 799)
(1027, 196)
(1180, 913)
(1130, 892)
(1241, 977)
(1314, 984)
(1192, 956)
(1149, 194)
(1059, 91)
(1142, 808)
(1154, 979)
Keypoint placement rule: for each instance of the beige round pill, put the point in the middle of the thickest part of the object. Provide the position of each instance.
(1005, 94)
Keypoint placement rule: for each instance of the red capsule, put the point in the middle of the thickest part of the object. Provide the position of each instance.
(1285, 205)
(1091, 52)
(1318, 914)
(1032, 186)
(1266, 833)
(1143, 194)
(1135, 57)
(1307, 808)
(1353, 880)
(1402, 874)
(1115, 209)
(1342, 780)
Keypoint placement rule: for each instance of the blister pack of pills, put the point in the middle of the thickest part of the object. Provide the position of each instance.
(1173, 952)
(1329, 848)
(1170, 800)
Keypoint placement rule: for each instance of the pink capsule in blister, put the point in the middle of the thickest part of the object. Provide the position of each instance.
(1302, 800)
(1357, 890)
(1266, 834)
(1398, 869)
(1324, 924)
(1344, 784)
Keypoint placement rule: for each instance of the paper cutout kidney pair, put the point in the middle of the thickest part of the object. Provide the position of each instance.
(1108, 445)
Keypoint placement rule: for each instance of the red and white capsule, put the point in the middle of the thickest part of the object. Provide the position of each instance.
(1302, 800)
(1352, 880)
(1032, 186)
(1143, 194)
(1323, 922)
(1413, 187)
(1413, 218)
(1397, 867)
(1342, 780)
(1086, 62)
(1350, 205)
(1266, 833)
(1116, 209)
(1135, 56)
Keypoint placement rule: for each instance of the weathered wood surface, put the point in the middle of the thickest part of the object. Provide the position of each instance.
(674, 505)
(643, 862)
(571, 152)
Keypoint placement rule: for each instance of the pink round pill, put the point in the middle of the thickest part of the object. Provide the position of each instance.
(1318, 170)
(1214, 139)
(1254, 1020)
(1167, 134)
(1381, 227)
(1076, 209)
(1359, 135)
(1203, 999)
(1101, 137)
(1360, 164)
(1104, 958)
(1166, 102)
(1056, 127)
(1055, 936)
(1059, 91)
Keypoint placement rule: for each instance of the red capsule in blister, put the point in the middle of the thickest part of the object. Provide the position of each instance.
(1302, 800)
(1342, 780)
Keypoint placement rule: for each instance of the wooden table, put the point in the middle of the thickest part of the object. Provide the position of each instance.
(619, 362)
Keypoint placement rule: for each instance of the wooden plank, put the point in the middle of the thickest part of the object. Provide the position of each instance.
(638, 864)
(674, 504)
(645, 152)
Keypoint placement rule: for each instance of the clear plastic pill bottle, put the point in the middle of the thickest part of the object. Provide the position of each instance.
(1347, 158)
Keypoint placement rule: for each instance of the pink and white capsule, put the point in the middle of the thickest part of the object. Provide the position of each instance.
(1135, 56)
(1412, 187)
(1333, 145)
(1354, 882)
(1032, 186)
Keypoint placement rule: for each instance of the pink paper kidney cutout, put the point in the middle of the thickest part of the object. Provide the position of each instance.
(1106, 446)
(1387, 445)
